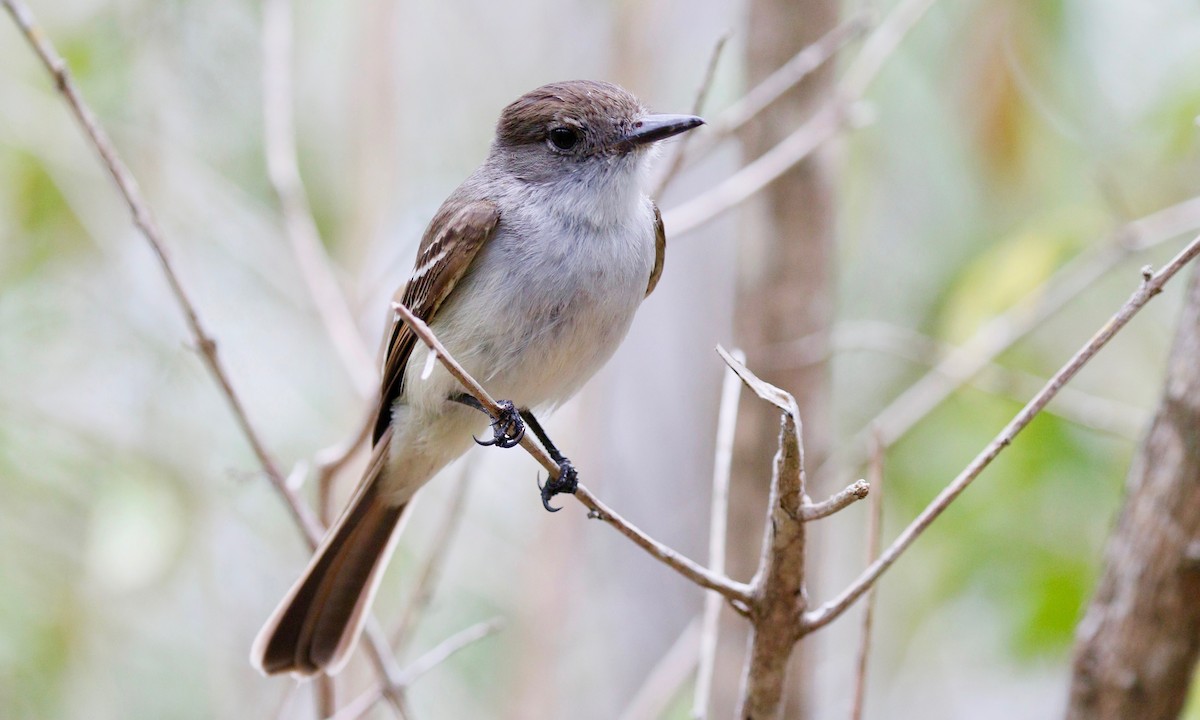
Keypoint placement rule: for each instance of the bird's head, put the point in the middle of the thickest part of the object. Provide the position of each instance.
(581, 131)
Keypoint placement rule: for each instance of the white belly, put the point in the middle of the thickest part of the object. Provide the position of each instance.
(535, 317)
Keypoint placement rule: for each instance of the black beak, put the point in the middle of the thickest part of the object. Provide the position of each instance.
(652, 128)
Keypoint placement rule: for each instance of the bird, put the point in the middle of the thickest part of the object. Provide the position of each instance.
(530, 274)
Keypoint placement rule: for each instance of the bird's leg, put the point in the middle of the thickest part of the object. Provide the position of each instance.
(567, 480)
(507, 427)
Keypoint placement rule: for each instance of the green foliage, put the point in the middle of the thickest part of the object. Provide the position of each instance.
(44, 229)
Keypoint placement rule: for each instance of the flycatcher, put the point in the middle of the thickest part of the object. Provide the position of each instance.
(529, 274)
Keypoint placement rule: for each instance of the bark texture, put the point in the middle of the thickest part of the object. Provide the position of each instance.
(784, 294)
(779, 585)
(1137, 646)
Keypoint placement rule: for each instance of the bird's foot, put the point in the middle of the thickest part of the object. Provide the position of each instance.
(566, 482)
(507, 428)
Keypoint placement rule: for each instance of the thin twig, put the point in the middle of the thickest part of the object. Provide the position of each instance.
(737, 593)
(427, 576)
(874, 527)
(385, 662)
(285, 711)
(731, 393)
(324, 696)
(331, 460)
(1006, 329)
(283, 171)
(710, 72)
(1077, 406)
(143, 218)
(881, 44)
(1152, 284)
(662, 683)
(838, 501)
(443, 650)
(437, 655)
(808, 60)
(779, 583)
(820, 128)
(743, 184)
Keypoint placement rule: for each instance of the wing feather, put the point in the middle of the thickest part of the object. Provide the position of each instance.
(660, 250)
(452, 241)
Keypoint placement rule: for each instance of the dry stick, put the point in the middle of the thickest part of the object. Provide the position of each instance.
(1152, 284)
(779, 594)
(820, 128)
(324, 696)
(743, 184)
(710, 72)
(881, 44)
(1007, 328)
(283, 171)
(737, 593)
(1077, 406)
(762, 95)
(331, 460)
(874, 526)
(839, 501)
(443, 650)
(663, 681)
(144, 220)
(430, 571)
(437, 655)
(731, 393)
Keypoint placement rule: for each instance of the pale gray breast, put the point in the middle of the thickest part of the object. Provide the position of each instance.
(549, 299)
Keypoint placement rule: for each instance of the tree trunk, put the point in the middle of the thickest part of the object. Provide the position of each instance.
(785, 293)
(1137, 646)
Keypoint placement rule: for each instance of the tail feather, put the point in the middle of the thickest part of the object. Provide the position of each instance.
(318, 623)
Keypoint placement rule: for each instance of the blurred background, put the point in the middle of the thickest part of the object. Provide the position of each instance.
(141, 548)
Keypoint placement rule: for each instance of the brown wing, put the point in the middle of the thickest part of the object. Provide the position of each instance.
(660, 250)
(454, 237)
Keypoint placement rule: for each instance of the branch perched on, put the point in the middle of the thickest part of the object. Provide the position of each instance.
(737, 593)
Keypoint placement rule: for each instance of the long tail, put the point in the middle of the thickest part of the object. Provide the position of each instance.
(318, 623)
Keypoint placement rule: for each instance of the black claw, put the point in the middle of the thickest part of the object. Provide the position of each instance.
(566, 482)
(507, 429)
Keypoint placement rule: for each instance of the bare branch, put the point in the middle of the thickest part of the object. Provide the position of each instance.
(324, 696)
(279, 139)
(839, 501)
(1007, 328)
(731, 392)
(874, 527)
(737, 593)
(331, 460)
(1152, 284)
(820, 128)
(1138, 643)
(441, 652)
(1073, 404)
(779, 593)
(772, 87)
(681, 146)
(743, 184)
(144, 220)
(881, 44)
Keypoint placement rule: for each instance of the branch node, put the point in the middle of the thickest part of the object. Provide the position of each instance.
(835, 503)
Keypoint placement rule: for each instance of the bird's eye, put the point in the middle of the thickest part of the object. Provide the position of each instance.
(563, 138)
